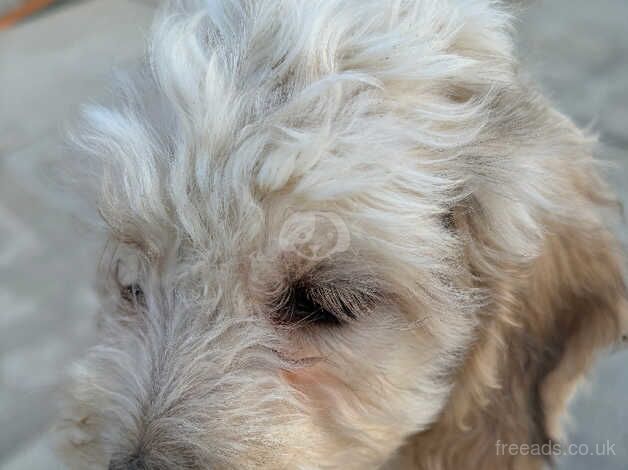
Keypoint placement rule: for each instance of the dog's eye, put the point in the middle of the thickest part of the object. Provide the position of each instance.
(126, 282)
(303, 307)
(304, 304)
(132, 293)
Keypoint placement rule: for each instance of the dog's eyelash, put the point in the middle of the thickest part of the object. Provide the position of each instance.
(304, 304)
(299, 307)
(305, 307)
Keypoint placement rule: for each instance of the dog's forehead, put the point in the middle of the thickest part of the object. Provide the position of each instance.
(231, 117)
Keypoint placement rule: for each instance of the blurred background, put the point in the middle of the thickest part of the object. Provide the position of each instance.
(56, 55)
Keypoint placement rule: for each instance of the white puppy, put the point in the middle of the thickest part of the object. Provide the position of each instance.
(344, 234)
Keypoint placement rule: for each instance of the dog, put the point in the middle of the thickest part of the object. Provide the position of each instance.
(342, 234)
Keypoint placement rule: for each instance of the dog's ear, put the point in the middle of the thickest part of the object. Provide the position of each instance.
(555, 293)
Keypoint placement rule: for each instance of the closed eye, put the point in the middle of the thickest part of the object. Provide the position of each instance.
(303, 308)
(307, 304)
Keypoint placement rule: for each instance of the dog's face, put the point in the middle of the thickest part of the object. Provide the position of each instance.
(297, 340)
(285, 284)
(297, 329)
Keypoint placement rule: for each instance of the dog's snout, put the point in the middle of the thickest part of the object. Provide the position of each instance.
(132, 463)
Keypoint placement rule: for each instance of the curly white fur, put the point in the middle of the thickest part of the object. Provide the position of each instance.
(386, 113)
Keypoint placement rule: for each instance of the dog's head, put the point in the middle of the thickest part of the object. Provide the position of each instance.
(323, 218)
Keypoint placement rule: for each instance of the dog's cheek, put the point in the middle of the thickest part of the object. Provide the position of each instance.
(343, 420)
(311, 382)
(393, 393)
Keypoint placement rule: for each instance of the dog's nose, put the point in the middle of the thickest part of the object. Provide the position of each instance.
(133, 463)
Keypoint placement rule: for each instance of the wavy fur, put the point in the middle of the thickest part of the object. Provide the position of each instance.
(460, 189)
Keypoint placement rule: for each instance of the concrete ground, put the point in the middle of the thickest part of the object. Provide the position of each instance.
(577, 49)
(8, 5)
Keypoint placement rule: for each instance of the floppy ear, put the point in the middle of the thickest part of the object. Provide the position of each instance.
(555, 292)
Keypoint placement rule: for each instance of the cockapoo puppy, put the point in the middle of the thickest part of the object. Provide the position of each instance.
(343, 234)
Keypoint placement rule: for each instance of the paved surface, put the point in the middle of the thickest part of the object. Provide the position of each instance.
(8, 5)
(578, 49)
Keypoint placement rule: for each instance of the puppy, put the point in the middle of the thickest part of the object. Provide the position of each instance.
(342, 234)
